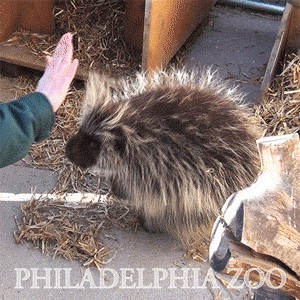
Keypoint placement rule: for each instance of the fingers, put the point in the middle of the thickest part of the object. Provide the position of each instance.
(74, 66)
(70, 74)
(61, 63)
(48, 61)
(59, 72)
(68, 54)
(63, 52)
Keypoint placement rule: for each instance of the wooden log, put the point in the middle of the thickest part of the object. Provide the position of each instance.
(264, 218)
(229, 256)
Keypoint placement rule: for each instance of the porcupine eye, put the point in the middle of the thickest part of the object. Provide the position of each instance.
(83, 149)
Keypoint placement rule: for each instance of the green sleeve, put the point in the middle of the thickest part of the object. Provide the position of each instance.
(23, 121)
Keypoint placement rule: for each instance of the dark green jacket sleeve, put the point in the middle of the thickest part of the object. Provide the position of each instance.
(23, 121)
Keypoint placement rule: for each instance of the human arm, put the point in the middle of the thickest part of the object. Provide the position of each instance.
(30, 118)
(23, 122)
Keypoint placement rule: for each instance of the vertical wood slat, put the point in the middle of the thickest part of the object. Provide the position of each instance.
(36, 15)
(167, 25)
(277, 50)
(134, 25)
(293, 41)
(33, 15)
(8, 22)
(287, 40)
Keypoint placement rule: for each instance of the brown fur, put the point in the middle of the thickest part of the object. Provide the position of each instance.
(174, 145)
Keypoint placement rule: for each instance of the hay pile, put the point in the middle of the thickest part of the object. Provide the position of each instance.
(98, 27)
(280, 110)
(73, 231)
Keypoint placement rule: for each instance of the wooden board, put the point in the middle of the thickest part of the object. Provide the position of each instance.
(21, 56)
(161, 27)
(68, 197)
(35, 15)
(287, 40)
(167, 25)
(134, 25)
(293, 41)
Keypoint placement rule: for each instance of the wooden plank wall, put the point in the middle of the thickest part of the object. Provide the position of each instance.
(33, 15)
(293, 42)
(167, 25)
(287, 40)
(277, 51)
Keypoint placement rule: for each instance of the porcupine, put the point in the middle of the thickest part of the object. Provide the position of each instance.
(174, 144)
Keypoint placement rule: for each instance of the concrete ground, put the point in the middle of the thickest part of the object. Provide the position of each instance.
(236, 42)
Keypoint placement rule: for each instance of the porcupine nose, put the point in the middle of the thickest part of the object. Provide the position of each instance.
(83, 150)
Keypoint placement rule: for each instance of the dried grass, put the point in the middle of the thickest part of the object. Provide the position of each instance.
(73, 231)
(99, 40)
(280, 110)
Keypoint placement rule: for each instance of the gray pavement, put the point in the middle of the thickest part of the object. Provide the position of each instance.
(239, 44)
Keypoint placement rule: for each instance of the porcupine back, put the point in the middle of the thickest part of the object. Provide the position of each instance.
(175, 145)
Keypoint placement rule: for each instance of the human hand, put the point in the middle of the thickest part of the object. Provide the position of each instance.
(59, 72)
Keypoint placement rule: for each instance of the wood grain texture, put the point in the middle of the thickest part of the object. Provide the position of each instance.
(287, 40)
(168, 24)
(260, 225)
(33, 15)
(272, 207)
(231, 257)
(277, 52)
(293, 41)
(256, 267)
